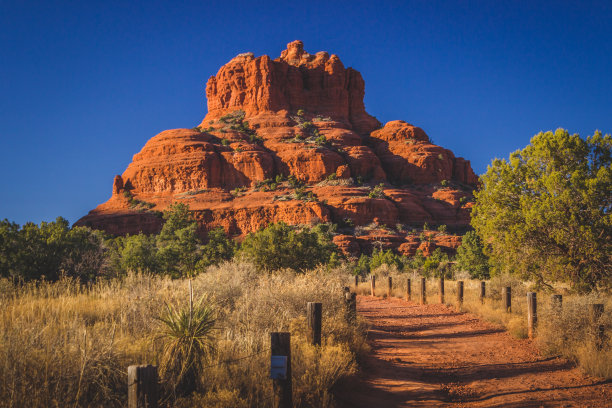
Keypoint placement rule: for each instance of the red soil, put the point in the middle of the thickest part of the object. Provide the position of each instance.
(431, 356)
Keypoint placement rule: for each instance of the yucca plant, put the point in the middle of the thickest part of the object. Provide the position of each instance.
(187, 338)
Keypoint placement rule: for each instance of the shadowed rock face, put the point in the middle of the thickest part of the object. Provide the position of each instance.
(299, 115)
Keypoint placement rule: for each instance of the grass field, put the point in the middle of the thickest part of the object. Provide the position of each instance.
(64, 345)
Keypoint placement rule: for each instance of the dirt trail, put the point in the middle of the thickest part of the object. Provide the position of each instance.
(430, 356)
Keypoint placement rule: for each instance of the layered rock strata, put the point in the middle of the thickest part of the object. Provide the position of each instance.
(289, 140)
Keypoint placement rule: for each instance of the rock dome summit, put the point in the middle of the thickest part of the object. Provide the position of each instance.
(289, 139)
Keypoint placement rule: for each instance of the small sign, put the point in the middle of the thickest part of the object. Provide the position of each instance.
(278, 368)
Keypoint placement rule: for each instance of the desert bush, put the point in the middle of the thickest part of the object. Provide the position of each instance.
(50, 250)
(187, 338)
(283, 246)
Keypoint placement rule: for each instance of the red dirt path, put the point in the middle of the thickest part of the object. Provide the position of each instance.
(430, 356)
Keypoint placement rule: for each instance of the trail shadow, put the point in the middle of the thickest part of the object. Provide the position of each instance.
(398, 329)
(406, 335)
(419, 316)
(389, 378)
(575, 387)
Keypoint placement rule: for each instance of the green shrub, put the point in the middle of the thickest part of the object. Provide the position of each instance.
(363, 265)
(49, 250)
(294, 182)
(378, 191)
(321, 140)
(219, 247)
(471, 258)
(435, 260)
(388, 257)
(282, 246)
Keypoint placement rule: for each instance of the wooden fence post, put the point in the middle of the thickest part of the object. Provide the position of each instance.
(557, 304)
(390, 288)
(532, 314)
(142, 386)
(507, 298)
(280, 370)
(459, 295)
(408, 289)
(356, 282)
(314, 322)
(442, 289)
(373, 285)
(350, 300)
(483, 293)
(423, 292)
(597, 310)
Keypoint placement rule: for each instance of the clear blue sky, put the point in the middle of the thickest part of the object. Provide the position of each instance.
(84, 84)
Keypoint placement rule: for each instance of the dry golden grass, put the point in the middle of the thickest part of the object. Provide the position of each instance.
(63, 345)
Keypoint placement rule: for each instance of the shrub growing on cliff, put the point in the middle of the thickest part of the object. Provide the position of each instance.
(282, 246)
(546, 213)
(378, 191)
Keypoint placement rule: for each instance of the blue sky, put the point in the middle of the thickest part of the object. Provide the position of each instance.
(84, 84)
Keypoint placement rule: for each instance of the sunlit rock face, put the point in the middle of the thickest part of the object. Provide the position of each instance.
(301, 116)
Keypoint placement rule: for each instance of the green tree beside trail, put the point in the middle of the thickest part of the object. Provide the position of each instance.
(471, 258)
(545, 213)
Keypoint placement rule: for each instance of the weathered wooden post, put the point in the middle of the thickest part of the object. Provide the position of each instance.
(390, 288)
(423, 292)
(280, 369)
(532, 314)
(459, 295)
(442, 289)
(507, 298)
(350, 301)
(483, 293)
(142, 386)
(373, 285)
(557, 304)
(356, 282)
(408, 289)
(314, 322)
(599, 339)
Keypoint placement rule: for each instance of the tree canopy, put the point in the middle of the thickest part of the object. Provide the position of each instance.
(545, 212)
(50, 249)
(471, 258)
(283, 246)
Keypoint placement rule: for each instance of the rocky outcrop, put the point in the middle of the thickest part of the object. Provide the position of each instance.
(316, 83)
(289, 140)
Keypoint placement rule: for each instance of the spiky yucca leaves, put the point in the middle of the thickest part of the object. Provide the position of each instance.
(187, 336)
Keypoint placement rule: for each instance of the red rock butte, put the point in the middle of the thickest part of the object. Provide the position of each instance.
(289, 140)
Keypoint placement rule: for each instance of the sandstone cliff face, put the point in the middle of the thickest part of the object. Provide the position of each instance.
(300, 116)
